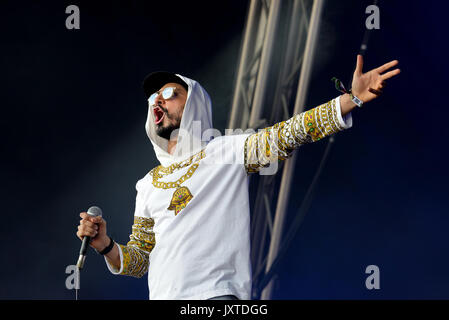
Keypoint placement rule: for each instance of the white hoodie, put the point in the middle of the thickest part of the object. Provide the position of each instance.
(204, 251)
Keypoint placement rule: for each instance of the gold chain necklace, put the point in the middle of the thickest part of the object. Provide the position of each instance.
(182, 195)
(162, 171)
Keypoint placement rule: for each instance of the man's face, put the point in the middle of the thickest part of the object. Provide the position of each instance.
(168, 112)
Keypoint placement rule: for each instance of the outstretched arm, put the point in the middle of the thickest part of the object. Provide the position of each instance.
(277, 142)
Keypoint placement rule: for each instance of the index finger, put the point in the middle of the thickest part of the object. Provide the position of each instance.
(94, 219)
(84, 215)
(387, 66)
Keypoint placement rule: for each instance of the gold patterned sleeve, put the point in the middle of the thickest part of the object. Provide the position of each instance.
(135, 255)
(278, 141)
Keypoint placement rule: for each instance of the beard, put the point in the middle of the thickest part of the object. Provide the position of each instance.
(166, 132)
(174, 124)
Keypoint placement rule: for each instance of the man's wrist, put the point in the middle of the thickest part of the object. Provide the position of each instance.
(346, 104)
(104, 244)
(107, 248)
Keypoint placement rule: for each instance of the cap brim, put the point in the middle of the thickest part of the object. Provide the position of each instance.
(155, 80)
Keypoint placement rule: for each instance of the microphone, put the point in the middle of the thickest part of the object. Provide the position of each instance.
(93, 212)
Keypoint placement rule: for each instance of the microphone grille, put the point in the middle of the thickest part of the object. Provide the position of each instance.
(94, 211)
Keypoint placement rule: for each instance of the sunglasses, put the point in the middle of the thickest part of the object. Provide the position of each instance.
(167, 93)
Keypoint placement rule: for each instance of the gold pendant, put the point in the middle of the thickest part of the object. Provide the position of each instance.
(179, 200)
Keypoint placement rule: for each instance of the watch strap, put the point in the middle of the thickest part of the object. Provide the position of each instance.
(356, 100)
(108, 248)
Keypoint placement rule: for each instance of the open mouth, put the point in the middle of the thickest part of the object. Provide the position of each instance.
(158, 115)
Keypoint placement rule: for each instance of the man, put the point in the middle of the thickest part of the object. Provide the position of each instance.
(191, 229)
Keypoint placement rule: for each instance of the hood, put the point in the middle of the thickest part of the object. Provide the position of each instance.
(196, 119)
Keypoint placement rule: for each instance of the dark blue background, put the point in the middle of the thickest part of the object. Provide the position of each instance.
(74, 114)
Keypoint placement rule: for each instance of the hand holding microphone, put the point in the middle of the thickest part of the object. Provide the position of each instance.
(92, 230)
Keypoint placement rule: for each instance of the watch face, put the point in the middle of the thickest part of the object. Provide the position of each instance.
(357, 101)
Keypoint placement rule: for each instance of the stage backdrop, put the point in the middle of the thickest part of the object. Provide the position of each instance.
(73, 136)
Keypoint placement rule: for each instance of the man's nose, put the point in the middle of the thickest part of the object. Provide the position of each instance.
(159, 100)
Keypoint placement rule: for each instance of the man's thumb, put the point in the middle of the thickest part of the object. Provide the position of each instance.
(98, 220)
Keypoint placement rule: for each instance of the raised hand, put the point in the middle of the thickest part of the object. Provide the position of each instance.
(368, 86)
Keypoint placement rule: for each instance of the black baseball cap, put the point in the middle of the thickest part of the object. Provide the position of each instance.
(155, 80)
